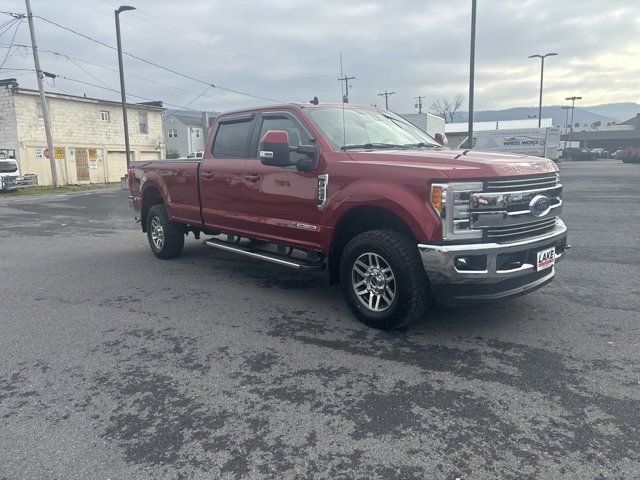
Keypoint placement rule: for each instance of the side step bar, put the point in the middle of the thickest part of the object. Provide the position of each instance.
(284, 260)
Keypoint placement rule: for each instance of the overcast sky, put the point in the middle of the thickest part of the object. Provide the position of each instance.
(289, 50)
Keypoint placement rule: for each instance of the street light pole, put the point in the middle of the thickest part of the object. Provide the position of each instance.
(121, 9)
(566, 108)
(541, 57)
(573, 106)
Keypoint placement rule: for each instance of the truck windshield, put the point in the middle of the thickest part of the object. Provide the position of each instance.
(8, 167)
(364, 128)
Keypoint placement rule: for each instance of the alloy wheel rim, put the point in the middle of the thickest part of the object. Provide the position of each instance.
(373, 282)
(157, 233)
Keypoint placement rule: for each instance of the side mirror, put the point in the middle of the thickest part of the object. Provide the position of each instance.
(274, 149)
(441, 138)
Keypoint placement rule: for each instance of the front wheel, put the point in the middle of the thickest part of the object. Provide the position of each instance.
(166, 238)
(383, 279)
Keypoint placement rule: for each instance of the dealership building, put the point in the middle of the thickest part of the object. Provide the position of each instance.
(88, 134)
(609, 137)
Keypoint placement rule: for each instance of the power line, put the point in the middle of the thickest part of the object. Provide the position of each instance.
(64, 77)
(11, 69)
(149, 62)
(89, 73)
(227, 55)
(54, 76)
(179, 37)
(18, 23)
(7, 25)
(73, 59)
(418, 105)
(201, 94)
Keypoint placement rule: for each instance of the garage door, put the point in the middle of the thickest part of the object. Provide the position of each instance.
(151, 155)
(117, 165)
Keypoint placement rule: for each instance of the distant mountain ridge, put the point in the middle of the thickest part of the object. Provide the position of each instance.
(619, 111)
(605, 113)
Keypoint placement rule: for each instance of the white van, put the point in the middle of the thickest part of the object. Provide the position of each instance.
(9, 174)
(537, 142)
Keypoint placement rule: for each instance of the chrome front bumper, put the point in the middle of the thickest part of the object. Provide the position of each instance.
(494, 281)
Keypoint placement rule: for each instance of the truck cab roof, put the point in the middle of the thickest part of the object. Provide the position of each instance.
(295, 106)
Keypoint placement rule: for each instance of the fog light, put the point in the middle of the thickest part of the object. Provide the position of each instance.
(461, 263)
(471, 263)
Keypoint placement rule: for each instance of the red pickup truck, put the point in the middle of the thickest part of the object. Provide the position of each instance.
(397, 218)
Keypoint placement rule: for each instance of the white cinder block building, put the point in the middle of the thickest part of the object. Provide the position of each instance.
(88, 135)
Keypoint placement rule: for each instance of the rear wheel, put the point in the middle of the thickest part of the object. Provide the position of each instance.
(166, 238)
(383, 279)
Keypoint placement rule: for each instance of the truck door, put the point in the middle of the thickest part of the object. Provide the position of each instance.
(281, 202)
(222, 173)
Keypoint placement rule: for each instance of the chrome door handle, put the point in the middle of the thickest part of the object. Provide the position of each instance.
(207, 175)
(252, 178)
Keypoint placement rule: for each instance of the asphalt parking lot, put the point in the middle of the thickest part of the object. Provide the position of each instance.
(114, 364)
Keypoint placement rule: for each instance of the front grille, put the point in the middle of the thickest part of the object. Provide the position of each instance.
(520, 184)
(522, 230)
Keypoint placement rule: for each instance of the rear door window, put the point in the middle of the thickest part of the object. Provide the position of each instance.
(232, 139)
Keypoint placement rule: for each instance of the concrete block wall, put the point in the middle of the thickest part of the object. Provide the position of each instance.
(76, 123)
(8, 123)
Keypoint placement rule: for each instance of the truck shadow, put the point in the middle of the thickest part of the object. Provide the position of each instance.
(314, 289)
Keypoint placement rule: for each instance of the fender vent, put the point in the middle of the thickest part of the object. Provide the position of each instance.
(323, 182)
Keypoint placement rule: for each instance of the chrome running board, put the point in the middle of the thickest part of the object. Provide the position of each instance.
(284, 260)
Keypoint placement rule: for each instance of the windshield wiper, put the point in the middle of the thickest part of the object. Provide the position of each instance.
(420, 145)
(371, 146)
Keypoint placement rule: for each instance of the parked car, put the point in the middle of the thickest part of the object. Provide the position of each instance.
(575, 154)
(9, 174)
(631, 155)
(600, 153)
(395, 217)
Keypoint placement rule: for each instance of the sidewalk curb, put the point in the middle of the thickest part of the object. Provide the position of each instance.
(4, 201)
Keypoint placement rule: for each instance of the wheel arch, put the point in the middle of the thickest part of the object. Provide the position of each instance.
(150, 197)
(360, 219)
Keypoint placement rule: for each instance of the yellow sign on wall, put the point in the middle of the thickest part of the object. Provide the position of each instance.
(58, 153)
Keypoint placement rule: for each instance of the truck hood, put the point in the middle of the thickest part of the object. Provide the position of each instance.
(458, 163)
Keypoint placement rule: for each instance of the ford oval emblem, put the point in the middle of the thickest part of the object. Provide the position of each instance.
(539, 205)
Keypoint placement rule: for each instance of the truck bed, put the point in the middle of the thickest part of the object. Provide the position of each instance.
(178, 184)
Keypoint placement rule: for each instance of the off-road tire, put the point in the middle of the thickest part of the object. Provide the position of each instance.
(172, 234)
(412, 285)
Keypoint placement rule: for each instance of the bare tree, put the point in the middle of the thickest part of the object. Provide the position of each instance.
(447, 107)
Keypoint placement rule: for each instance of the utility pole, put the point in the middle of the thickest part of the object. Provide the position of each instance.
(573, 106)
(43, 99)
(419, 104)
(125, 120)
(345, 78)
(541, 57)
(386, 96)
(472, 62)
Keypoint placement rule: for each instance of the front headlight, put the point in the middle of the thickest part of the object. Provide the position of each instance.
(451, 201)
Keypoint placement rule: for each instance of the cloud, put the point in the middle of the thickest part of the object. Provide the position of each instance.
(288, 49)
